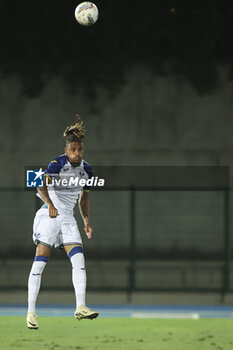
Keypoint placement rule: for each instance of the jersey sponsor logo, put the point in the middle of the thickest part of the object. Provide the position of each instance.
(35, 178)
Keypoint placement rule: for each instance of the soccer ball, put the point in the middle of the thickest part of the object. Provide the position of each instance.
(86, 13)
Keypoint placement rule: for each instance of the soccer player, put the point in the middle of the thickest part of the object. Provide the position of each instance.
(55, 225)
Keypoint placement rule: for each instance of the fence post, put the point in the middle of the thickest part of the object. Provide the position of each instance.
(227, 243)
(132, 266)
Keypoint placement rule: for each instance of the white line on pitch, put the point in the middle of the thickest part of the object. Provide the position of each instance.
(193, 316)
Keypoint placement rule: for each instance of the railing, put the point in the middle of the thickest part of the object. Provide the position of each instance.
(133, 255)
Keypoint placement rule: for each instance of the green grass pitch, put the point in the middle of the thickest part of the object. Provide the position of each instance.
(63, 333)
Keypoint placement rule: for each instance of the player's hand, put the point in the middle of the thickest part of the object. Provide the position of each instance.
(53, 213)
(88, 230)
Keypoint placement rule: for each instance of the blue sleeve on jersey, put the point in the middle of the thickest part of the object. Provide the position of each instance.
(89, 172)
(55, 165)
(53, 168)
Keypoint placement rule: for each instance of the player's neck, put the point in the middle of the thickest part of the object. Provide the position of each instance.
(75, 164)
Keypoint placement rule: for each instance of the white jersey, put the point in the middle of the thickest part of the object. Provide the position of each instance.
(60, 170)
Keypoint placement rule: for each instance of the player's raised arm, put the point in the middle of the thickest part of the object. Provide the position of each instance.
(43, 192)
(84, 210)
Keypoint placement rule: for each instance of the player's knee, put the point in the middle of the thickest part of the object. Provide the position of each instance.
(74, 250)
(43, 250)
(76, 256)
(39, 264)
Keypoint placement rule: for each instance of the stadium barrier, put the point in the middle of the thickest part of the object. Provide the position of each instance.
(158, 239)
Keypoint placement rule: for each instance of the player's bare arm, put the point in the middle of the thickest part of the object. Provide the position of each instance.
(43, 192)
(84, 210)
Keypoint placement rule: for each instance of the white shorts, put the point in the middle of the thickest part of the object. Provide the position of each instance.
(59, 231)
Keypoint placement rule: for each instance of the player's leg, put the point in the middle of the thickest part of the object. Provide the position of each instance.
(45, 231)
(76, 256)
(34, 281)
(72, 242)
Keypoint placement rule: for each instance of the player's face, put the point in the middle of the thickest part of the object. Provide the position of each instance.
(74, 152)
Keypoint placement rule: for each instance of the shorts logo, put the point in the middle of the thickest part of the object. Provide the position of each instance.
(35, 178)
(36, 235)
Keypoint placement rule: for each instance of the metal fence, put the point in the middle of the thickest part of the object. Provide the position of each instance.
(144, 240)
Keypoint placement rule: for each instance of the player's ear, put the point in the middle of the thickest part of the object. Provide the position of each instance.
(65, 150)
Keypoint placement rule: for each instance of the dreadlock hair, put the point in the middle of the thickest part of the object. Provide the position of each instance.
(75, 132)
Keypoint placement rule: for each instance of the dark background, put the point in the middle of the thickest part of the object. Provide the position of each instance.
(189, 40)
(152, 82)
